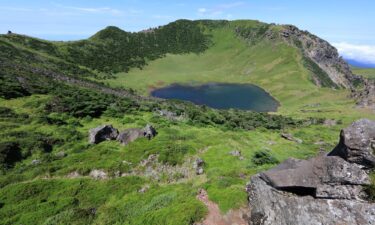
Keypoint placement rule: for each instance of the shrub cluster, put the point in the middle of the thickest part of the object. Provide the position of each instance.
(263, 157)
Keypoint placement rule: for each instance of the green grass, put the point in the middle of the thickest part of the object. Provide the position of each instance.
(365, 72)
(273, 66)
(43, 194)
(224, 178)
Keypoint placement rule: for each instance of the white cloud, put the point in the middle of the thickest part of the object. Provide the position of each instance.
(202, 10)
(218, 10)
(231, 5)
(363, 53)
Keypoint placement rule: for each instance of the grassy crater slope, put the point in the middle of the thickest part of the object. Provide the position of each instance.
(272, 64)
(46, 160)
(365, 72)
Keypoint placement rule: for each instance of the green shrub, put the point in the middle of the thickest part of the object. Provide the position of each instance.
(263, 157)
(11, 88)
(173, 154)
(370, 189)
(10, 153)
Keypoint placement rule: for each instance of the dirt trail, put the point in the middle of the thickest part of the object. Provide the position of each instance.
(214, 217)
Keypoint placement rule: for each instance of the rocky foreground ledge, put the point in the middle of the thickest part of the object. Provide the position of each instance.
(327, 189)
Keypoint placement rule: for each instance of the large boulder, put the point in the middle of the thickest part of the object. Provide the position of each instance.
(132, 134)
(149, 132)
(357, 143)
(327, 189)
(198, 166)
(314, 172)
(316, 176)
(102, 133)
(271, 206)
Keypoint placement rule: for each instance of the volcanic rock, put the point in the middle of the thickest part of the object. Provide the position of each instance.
(327, 189)
(357, 143)
(102, 133)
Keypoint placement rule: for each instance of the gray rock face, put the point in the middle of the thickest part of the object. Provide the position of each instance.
(98, 174)
(170, 115)
(366, 95)
(235, 153)
(270, 206)
(129, 135)
(149, 132)
(357, 143)
(315, 172)
(60, 154)
(327, 189)
(132, 134)
(321, 53)
(36, 162)
(198, 166)
(102, 133)
(316, 176)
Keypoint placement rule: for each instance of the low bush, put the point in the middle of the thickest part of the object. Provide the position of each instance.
(263, 157)
(10, 153)
(11, 88)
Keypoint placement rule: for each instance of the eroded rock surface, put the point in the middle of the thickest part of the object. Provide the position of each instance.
(365, 96)
(327, 189)
(198, 166)
(316, 176)
(102, 133)
(129, 135)
(357, 143)
(108, 132)
(320, 52)
(132, 134)
(270, 206)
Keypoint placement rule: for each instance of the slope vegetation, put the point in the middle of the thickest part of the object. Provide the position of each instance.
(53, 93)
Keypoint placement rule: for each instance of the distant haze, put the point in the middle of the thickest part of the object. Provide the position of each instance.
(360, 64)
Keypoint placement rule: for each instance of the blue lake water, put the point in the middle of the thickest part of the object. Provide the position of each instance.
(221, 96)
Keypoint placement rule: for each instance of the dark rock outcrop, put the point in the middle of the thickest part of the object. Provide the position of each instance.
(366, 95)
(102, 133)
(198, 166)
(320, 52)
(270, 206)
(149, 132)
(327, 189)
(357, 143)
(107, 132)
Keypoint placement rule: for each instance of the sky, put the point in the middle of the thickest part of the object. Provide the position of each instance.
(347, 24)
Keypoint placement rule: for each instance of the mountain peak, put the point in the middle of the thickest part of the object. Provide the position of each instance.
(110, 32)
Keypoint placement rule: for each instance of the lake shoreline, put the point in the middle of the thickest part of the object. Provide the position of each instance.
(232, 95)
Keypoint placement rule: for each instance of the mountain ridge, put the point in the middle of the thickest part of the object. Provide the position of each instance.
(327, 68)
(54, 96)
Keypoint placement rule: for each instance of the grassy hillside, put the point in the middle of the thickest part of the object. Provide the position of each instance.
(365, 72)
(274, 66)
(53, 93)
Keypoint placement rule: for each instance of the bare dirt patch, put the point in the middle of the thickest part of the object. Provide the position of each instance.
(214, 216)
